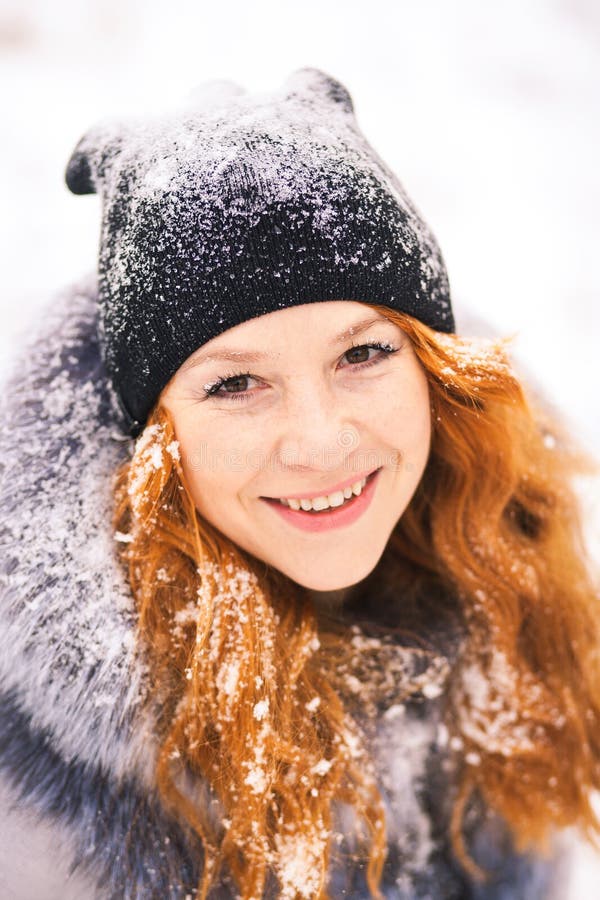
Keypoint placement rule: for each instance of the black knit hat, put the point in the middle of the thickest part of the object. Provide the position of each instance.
(238, 206)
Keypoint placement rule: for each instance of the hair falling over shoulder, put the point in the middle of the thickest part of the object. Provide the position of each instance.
(252, 703)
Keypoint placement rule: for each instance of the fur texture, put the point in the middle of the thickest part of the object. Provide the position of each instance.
(77, 737)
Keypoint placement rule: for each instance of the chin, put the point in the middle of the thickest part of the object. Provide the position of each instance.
(330, 581)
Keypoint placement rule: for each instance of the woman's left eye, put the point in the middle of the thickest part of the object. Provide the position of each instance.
(358, 350)
(221, 389)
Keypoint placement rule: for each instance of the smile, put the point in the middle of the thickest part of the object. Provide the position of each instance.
(323, 513)
(325, 501)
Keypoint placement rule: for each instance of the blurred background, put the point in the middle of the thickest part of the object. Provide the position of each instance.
(489, 113)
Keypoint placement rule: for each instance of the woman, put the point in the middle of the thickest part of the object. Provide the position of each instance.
(329, 630)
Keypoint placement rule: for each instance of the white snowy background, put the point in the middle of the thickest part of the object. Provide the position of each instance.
(488, 112)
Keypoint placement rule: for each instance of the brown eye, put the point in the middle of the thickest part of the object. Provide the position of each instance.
(358, 354)
(233, 385)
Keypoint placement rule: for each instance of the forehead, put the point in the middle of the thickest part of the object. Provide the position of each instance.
(333, 321)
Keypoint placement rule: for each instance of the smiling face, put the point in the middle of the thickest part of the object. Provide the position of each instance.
(287, 407)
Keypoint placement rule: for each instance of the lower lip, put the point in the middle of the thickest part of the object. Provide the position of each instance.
(338, 517)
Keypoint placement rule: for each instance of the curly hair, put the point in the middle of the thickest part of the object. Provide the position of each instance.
(253, 704)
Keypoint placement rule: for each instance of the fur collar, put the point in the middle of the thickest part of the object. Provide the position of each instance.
(66, 614)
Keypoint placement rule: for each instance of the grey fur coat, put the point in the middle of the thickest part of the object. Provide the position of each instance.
(79, 816)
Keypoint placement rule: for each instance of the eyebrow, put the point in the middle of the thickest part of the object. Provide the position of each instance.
(242, 356)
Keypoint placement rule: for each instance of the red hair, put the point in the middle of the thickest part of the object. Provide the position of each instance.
(253, 698)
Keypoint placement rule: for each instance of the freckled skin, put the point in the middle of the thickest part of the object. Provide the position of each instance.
(315, 415)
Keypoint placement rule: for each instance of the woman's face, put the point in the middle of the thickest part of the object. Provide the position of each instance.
(293, 405)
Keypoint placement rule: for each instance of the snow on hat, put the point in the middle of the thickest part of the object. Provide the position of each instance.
(239, 205)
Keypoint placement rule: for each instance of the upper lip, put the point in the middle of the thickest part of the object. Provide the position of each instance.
(323, 492)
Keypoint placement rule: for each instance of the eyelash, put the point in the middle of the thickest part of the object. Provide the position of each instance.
(242, 396)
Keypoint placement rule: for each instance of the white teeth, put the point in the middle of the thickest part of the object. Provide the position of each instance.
(336, 499)
(325, 502)
(358, 486)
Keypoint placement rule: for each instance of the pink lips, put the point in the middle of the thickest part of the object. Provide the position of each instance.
(337, 517)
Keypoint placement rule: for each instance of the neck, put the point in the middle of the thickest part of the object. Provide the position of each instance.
(329, 600)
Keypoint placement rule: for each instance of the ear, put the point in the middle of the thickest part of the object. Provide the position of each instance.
(91, 160)
(308, 81)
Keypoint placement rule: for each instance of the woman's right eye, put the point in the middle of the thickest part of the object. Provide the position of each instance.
(232, 386)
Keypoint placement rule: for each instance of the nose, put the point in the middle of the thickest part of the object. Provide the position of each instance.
(315, 431)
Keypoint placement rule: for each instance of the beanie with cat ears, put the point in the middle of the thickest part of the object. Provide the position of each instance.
(239, 205)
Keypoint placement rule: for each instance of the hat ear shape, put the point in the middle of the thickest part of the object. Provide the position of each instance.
(78, 174)
(91, 159)
(308, 81)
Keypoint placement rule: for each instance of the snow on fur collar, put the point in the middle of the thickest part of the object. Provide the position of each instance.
(66, 614)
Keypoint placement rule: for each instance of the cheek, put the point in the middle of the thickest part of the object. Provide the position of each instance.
(422, 419)
(218, 468)
(215, 497)
(408, 419)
